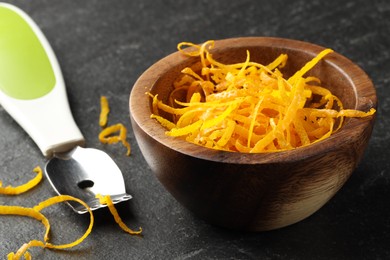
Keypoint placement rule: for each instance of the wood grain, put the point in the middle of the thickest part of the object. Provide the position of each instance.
(255, 192)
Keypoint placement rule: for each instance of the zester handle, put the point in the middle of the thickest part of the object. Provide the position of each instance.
(32, 88)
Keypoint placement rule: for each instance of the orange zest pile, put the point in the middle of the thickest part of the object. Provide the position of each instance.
(249, 107)
(114, 133)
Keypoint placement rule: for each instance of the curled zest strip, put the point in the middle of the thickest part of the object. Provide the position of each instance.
(35, 213)
(27, 212)
(106, 137)
(107, 201)
(9, 190)
(63, 198)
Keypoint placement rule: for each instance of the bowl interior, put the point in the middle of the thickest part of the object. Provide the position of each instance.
(337, 73)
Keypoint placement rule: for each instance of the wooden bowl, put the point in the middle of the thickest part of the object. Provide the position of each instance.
(255, 192)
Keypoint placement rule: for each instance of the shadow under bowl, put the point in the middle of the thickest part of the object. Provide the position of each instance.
(255, 192)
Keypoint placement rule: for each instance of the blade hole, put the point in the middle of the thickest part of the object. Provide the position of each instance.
(84, 184)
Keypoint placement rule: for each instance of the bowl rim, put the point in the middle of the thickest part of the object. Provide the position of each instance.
(364, 89)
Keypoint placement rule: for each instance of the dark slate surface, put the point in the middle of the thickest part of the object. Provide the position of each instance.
(104, 46)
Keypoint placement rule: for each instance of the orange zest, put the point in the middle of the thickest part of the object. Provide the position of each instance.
(10, 190)
(27, 212)
(63, 198)
(250, 107)
(106, 200)
(23, 250)
(107, 135)
(105, 109)
(35, 212)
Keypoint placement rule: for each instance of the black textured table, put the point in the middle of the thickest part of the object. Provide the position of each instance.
(104, 46)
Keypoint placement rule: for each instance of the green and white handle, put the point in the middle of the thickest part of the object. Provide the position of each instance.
(32, 89)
